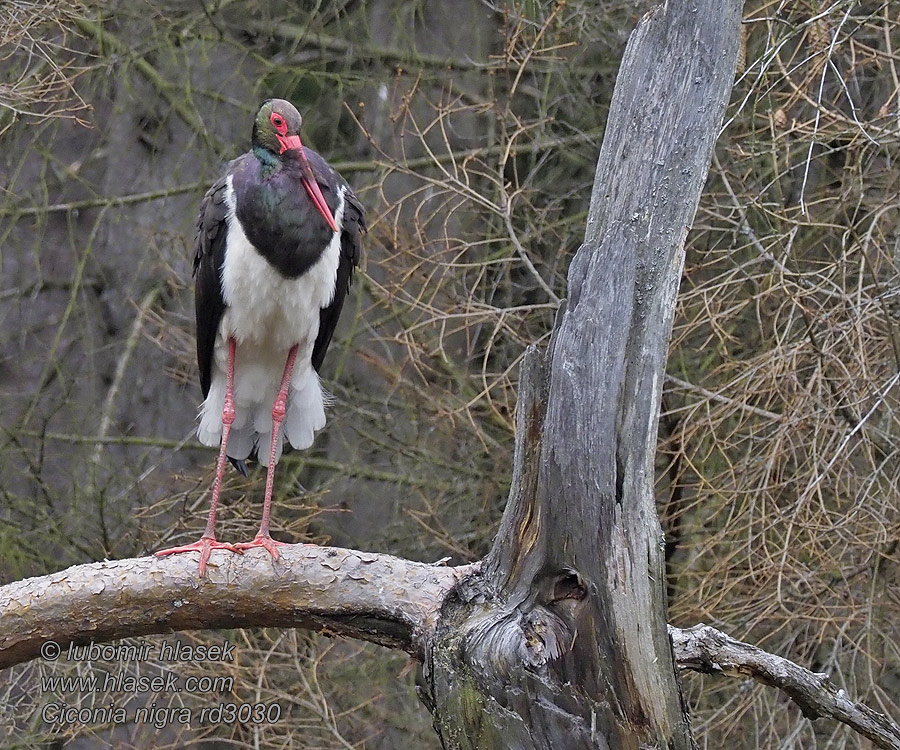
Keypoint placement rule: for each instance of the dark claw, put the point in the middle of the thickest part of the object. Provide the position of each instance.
(238, 464)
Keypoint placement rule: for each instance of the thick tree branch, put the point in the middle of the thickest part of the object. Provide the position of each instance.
(374, 597)
(705, 649)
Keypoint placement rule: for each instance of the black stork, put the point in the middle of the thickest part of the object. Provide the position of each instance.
(278, 236)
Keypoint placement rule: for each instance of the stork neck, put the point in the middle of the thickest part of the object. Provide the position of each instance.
(270, 162)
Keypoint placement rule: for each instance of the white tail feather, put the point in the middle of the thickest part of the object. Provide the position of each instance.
(241, 442)
(209, 432)
(253, 422)
(306, 410)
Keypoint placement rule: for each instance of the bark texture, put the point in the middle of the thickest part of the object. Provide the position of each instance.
(375, 597)
(560, 640)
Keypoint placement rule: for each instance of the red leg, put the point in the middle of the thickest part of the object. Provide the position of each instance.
(263, 538)
(207, 543)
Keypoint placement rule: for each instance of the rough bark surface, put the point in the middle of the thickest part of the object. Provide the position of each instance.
(365, 595)
(560, 640)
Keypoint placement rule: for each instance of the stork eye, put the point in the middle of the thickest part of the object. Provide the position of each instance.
(279, 123)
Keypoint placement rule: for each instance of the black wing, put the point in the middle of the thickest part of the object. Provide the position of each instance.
(209, 255)
(352, 229)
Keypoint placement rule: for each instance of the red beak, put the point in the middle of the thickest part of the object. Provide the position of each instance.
(292, 142)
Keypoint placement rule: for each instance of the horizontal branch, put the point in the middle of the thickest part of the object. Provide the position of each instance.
(293, 32)
(360, 54)
(705, 649)
(369, 596)
(345, 469)
(102, 201)
(344, 167)
(373, 597)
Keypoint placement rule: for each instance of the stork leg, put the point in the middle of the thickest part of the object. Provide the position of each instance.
(279, 409)
(207, 543)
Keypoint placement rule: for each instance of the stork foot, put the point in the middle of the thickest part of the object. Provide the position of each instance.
(262, 540)
(204, 545)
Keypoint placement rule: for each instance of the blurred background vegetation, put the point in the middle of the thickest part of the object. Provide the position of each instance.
(470, 129)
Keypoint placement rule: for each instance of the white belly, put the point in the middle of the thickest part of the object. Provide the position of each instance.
(267, 315)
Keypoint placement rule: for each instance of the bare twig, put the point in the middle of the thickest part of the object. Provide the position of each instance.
(704, 649)
(713, 396)
(523, 255)
(112, 395)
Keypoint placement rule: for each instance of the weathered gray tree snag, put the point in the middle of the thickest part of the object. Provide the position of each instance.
(560, 640)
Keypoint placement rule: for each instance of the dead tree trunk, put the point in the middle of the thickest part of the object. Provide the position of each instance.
(560, 640)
